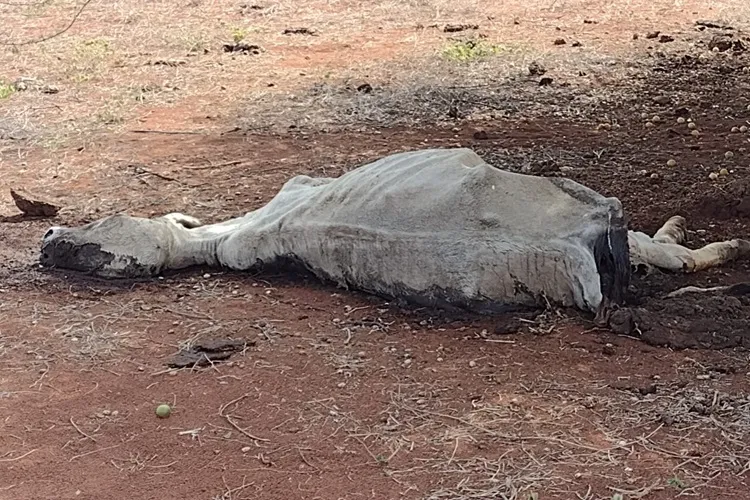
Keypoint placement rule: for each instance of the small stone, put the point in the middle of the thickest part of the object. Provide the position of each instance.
(671, 163)
(173, 373)
(106, 412)
(728, 155)
(691, 125)
(341, 385)
(735, 130)
(608, 349)
(361, 354)
(649, 124)
(559, 41)
(655, 119)
(743, 129)
(681, 120)
(245, 449)
(472, 363)
(654, 176)
(440, 360)
(407, 362)
(713, 176)
(723, 171)
(207, 275)
(695, 133)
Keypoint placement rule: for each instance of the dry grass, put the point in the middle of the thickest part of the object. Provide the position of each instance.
(110, 66)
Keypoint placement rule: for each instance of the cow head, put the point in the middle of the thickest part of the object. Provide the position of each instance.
(117, 246)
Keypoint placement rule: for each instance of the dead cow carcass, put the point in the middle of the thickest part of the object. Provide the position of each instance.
(436, 227)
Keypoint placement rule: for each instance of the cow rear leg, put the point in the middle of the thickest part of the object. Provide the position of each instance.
(717, 254)
(673, 231)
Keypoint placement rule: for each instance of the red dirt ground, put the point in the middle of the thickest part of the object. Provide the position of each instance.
(338, 395)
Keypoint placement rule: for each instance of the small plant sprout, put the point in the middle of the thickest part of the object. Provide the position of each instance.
(6, 90)
(677, 483)
(671, 163)
(239, 34)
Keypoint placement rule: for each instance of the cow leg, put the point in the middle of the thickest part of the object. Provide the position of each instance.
(673, 231)
(717, 254)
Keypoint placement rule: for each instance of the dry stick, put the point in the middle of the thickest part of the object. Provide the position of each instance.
(92, 452)
(366, 449)
(44, 39)
(214, 165)
(171, 132)
(19, 457)
(80, 431)
(228, 418)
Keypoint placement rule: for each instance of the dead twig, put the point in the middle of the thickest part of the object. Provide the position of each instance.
(231, 422)
(18, 457)
(80, 431)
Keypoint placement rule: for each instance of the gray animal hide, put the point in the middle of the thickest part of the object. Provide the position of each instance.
(436, 227)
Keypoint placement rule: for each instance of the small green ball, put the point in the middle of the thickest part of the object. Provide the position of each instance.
(163, 411)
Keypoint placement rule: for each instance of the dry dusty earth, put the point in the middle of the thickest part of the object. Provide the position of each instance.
(331, 394)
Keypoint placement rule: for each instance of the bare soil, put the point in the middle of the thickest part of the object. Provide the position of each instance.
(329, 393)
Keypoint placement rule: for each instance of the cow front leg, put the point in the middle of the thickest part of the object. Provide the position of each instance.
(673, 231)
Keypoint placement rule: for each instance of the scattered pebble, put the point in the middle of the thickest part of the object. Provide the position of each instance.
(723, 171)
(713, 176)
(207, 275)
(735, 130)
(472, 363)
(655, 119)
(649, 124)
(680, 120)
(728, 155)
(695, 133)
(654, 176)
(246, 449)
(341, 385)
(671, 163)
(743, 129)
(691, 125)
